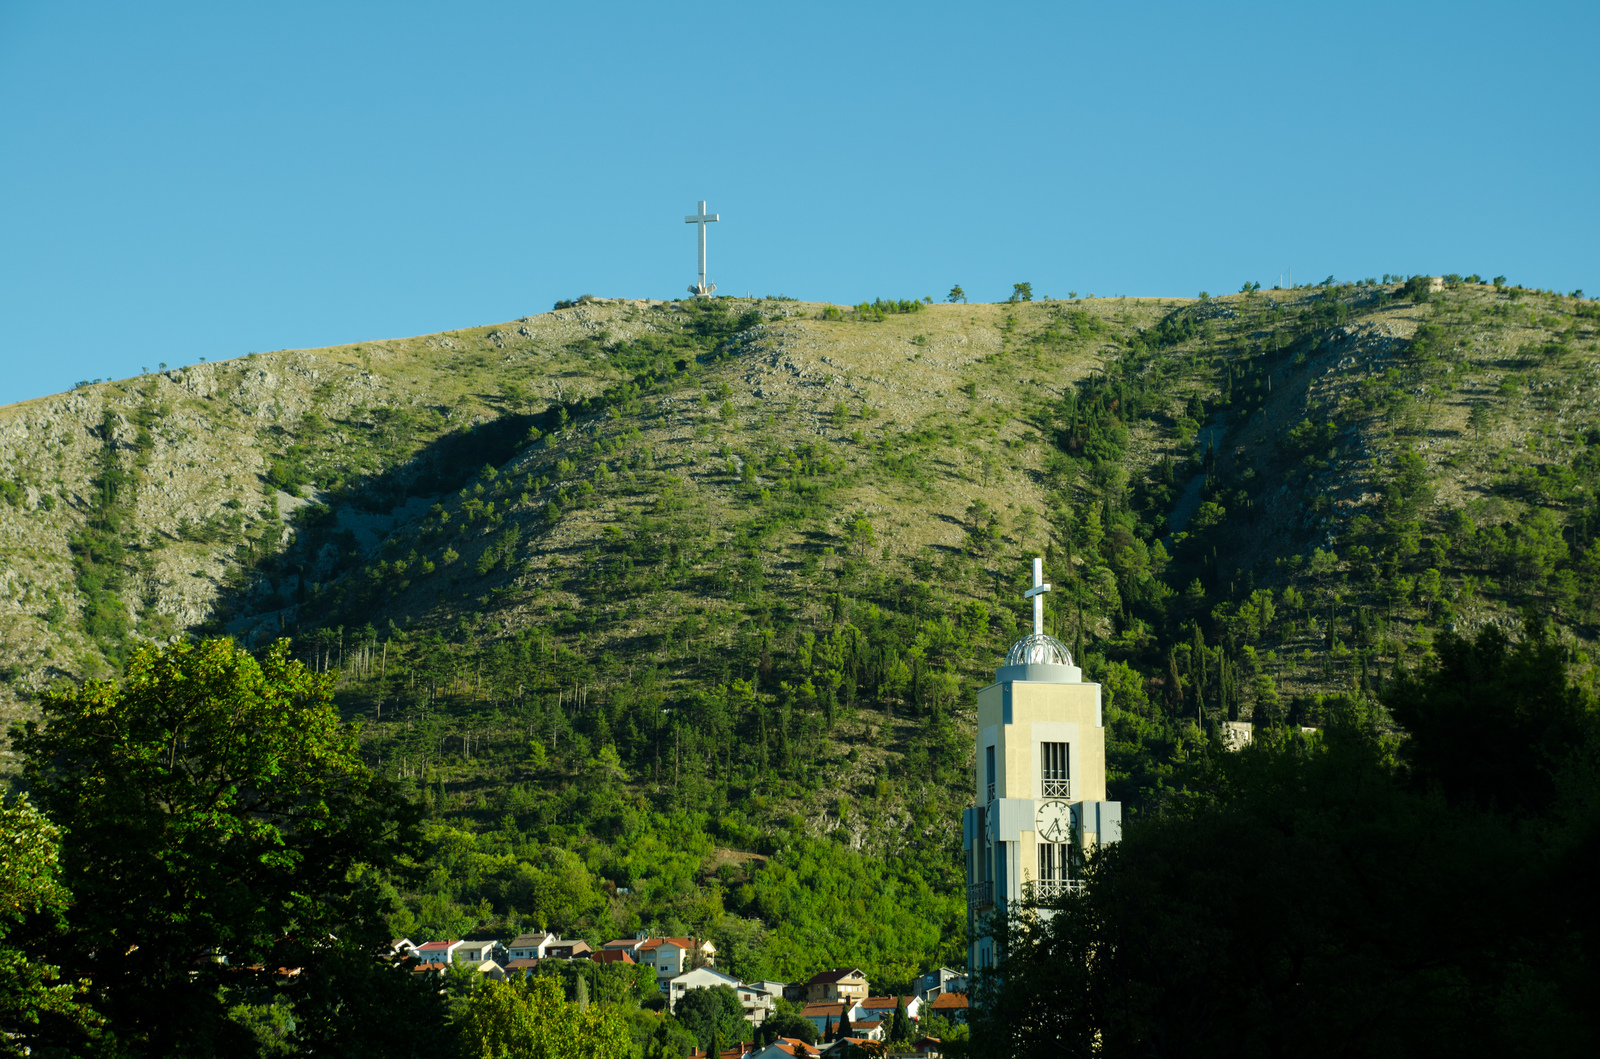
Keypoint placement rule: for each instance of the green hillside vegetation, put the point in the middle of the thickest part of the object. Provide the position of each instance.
(670, 615)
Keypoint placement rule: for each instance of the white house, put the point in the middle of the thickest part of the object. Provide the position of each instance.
(874, 1008)
(474, 952)
(529, 946)
(437, 951)
(670, 956)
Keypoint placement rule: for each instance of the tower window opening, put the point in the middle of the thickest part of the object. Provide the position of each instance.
(988, 764)
(1054, 772)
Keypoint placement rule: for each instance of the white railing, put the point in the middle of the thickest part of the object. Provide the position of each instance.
(1049, 889)
(980, 895)
(1057, 788)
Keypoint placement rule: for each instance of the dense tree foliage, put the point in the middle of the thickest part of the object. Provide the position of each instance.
(1344, 893)
(223, 843)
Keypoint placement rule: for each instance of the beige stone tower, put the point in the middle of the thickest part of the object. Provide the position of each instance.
(1040, 783)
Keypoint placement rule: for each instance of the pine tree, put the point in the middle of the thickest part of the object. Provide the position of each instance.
(1174, 683)
(900, 1027)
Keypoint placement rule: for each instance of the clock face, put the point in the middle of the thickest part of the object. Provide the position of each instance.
(1055, 821)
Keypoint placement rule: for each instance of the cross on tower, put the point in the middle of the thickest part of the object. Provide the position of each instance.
(1036, 593)
(702, 219)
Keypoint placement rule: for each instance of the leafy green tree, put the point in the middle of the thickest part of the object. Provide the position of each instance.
(787, 1024)
(713, 1014)
(956, 294)
(1488, 705)
(531, 1019)
(1021, 292)
(1305, 895)
(36, 1007)
(215, 808)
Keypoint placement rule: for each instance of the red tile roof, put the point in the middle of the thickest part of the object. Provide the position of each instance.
(949, 1001)
(611, 956)
(885, 1002)
(437, 946)
(831, 1008)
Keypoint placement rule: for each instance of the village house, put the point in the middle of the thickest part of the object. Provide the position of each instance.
(836, 985)
(400, 948)
(757, 1002)
(567, 950)
(631, 946)
(521, 968)
(437, 951)
(952, 1006)
(786, 1048)
(875, 1008)
(479, 952)
(944, 980)
(825, 1015)
(672, 956)
(529, 946)
(611, 956)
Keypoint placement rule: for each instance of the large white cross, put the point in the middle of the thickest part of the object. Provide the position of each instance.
(1036, 593)
(702, 219)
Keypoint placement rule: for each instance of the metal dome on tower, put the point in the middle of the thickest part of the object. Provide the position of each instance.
(1039, 656)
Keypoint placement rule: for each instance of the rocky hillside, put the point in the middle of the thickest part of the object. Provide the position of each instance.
(664, 607)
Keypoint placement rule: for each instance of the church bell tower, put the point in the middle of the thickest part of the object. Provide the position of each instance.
(1040, 783)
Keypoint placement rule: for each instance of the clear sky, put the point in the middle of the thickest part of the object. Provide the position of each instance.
(181, 181)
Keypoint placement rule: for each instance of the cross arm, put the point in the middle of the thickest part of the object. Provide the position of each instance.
(697, 220)
(1037, 590)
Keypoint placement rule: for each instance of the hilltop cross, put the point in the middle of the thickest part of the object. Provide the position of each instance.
(702, 219)
(1036, 593)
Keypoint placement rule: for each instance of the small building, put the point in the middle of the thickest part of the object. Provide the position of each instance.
(929, 985)
(952, 1006)
(631, 946)
(882, 1007)
(786, 1048)
(567, 950)
(672, 956)
(612, 956)
(437, 951)
(400, 948)
(825, 1014)
(837, 985)
(521, 968)
(757, 1002)
(474, 952)
(931, 1047)
(529, 946)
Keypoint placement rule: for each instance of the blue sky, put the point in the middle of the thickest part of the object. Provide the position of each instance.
(202, 180)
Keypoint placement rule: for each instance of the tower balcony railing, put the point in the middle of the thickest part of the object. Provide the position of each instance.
(1040, 890)
(1056, 788)
(980, 895)
(990, 798)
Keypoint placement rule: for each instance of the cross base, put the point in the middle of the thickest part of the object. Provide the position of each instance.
(702, 290)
